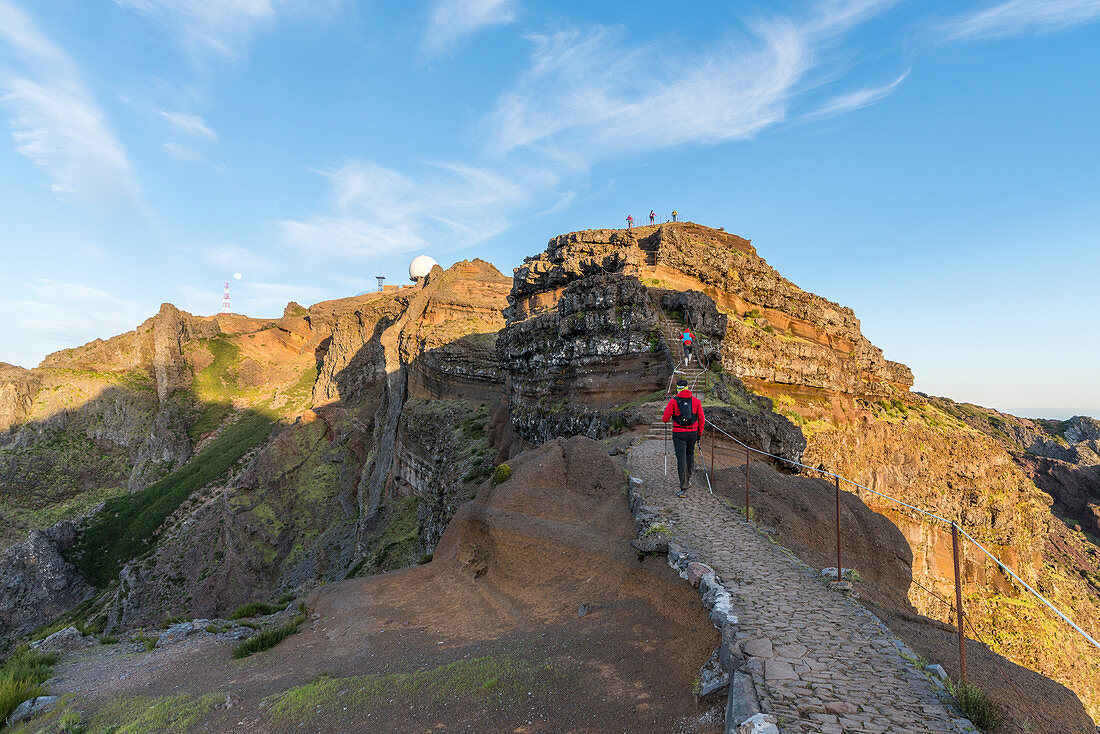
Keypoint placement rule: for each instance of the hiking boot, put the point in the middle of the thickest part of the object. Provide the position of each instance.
(682, 492)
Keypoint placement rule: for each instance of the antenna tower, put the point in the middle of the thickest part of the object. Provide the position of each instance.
(225, 298)
(380, 279)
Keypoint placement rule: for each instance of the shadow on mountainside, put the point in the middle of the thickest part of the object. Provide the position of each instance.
(535, 615)
(800, 513)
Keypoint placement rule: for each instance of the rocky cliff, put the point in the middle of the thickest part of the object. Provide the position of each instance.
(807, 355)
(775, 332)
(237, 458)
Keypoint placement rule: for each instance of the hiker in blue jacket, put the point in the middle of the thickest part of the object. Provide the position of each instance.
(688, 340)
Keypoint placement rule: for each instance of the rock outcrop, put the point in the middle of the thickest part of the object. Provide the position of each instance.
(597, 346)
(17, 390)
(36, 583)
(365, 479)
(775, 332)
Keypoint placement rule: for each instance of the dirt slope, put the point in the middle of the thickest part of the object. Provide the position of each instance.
(489, 636)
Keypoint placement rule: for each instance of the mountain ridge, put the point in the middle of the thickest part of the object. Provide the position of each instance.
(391, 409)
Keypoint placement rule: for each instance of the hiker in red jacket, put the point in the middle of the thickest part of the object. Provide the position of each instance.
(686, 413)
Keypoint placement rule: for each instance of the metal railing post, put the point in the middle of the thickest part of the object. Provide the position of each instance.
(748, 458)
(958, 600)
(839, 568)
(713, 439)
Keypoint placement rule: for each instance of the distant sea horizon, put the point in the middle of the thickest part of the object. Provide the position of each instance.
(1053, 413)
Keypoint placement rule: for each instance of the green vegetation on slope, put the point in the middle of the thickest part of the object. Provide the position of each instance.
(254, 608)
(398, 545)
(127, 524)
(487, 680)
(270, 638)
(22, 676)
(214, 386)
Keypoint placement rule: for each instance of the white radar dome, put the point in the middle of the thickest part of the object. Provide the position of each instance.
(421, 266)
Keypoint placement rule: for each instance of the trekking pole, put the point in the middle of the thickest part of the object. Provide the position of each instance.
(666, 449)
(706, 466)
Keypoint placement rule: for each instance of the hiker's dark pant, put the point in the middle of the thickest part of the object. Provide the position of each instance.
(687, 351)
(683, 443)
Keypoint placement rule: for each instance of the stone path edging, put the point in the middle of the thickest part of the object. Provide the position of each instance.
(797, 655)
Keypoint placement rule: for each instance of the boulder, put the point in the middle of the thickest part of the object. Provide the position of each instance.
(696, 572)
(181, 631)
(712, 676)
(64, 640)
(30, 708)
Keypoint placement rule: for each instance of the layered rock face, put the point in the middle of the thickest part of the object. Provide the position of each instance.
(777, 332)
(585, 317)
(432, 342)
(762, 328)
(36, 582)
(598, 346)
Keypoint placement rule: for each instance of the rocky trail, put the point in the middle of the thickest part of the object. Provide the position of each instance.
(820, 662)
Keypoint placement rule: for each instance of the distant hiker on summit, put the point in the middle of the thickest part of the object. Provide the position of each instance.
(686, 413)
(674, 215)
(629, 221)
(689, 339)
(652, 216)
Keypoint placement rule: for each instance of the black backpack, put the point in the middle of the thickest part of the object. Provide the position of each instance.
(685, 416)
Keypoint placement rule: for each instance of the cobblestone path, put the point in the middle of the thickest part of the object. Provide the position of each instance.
(820, 661)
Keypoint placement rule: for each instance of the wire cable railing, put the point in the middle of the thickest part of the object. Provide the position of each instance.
(955, 529)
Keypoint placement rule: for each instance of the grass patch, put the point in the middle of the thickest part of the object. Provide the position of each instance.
(126, 526)
(656, 528)
(22, 676)
(272, 637)
(973, 702)
(254, 608)
(150, 641)
(487, 681)
(215, 383)
(164, 715)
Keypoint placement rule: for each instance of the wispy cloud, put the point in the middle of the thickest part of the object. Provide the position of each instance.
(73, 313)
(858, 99)
(189, 124)
(204, 26)
(453, 20)
(590, 95)
(183, 153)
(1022, 16)
(586, 97)
(221, 27)
(378, 211)
(54, 119)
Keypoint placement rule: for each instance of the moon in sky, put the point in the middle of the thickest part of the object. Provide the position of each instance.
(237, 276)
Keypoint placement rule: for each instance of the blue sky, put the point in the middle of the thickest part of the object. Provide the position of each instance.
(930, 164)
